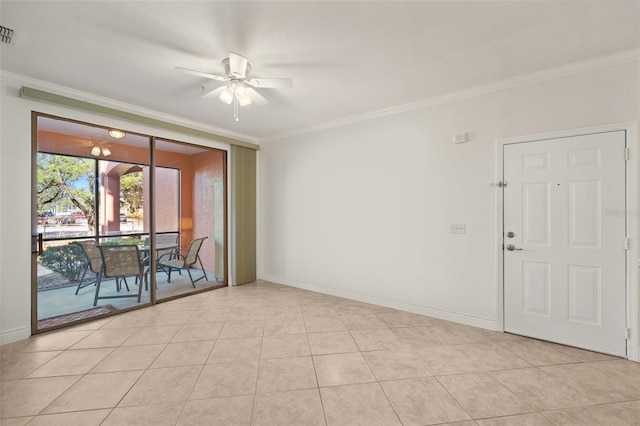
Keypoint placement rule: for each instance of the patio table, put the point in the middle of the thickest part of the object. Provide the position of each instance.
(160, 246)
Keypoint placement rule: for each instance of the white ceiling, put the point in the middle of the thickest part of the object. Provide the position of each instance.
(346, 58)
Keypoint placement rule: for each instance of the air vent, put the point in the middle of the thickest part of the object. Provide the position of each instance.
(5, 34)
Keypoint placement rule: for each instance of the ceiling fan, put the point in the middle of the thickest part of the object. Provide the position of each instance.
(239, 88)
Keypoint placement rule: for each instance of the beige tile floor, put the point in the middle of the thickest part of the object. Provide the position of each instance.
(266, 354)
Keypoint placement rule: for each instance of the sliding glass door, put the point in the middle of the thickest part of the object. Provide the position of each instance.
(96, 188)
(189, 182)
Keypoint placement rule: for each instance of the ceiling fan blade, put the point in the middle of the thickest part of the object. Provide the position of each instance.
(272, 83)
(202, 74)
(238, 65)
(256, 97)
(215, 92)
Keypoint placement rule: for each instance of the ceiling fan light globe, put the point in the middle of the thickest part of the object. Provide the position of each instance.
(106, 151)
(95, 151)
(244, 100)
(240, 90)
(227, 95)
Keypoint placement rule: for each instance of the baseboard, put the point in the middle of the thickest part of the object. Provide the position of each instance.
(456, 317)
(10, 336)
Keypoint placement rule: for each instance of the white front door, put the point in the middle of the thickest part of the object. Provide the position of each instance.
(564, 239)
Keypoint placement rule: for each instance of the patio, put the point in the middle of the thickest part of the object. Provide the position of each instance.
(60, 304)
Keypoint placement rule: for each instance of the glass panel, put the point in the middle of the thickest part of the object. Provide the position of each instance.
(122, 187)
(65, 195)
(90, 191)
(167, 200)
(189, 203)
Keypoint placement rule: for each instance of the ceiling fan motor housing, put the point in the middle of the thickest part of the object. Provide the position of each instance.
(227, 69)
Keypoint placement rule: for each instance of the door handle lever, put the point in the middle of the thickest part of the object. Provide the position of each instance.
(511, 247)
(37, 244)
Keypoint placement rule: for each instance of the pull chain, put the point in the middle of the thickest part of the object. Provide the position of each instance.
(235, 108)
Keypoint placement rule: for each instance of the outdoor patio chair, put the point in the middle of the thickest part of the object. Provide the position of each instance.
(121, 262)
(167, 239)
(171, 253)
(94, 261)
(177, 261)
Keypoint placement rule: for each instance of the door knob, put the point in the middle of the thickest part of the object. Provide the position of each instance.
(511, 247)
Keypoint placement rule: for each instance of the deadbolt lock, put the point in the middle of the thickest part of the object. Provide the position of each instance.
(510, 234)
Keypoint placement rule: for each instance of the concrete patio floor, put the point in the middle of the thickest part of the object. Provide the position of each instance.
(61, 301)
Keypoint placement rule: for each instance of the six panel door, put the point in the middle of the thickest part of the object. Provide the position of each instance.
(564, 267)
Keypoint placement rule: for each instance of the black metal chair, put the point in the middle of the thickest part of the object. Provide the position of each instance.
(178, 261)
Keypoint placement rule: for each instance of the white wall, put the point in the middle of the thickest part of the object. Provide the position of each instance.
(15, 186)
(363, 210)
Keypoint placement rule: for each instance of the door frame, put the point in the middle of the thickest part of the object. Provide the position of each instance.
(632, 187)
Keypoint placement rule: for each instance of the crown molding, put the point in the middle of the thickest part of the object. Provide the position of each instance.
(21, 80)
(509, 83)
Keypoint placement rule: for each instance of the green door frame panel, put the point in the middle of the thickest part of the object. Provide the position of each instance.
(243, 214)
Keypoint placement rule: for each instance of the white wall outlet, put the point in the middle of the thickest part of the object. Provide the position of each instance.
(456, 229)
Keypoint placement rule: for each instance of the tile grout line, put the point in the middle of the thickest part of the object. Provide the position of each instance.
(195, 382)
(255, 387)
(315, 370)
(139, 377)
(389, 401)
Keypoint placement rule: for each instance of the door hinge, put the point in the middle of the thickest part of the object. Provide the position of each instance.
(627, 243)
(627, 153)
(627, 333)
(502, 184)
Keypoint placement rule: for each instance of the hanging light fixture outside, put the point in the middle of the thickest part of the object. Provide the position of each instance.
(96, 151)
(117, 134)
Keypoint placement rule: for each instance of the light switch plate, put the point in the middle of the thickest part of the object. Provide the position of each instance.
(456, 229)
